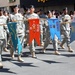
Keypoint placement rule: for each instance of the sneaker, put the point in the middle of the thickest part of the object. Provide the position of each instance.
(70, 49)
(33, 55)
(20, 59)
(27, 44)
(43, 51)
(42, 44)
(62, 46)
(6, 50)
(57, 53)
(59, 42)
(12, 54)
(1, 65)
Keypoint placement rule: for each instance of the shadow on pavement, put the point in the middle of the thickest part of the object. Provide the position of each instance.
(68, 55)
(6, 55)
(49, 61)
(25, 54)
(6, 59)
(25, 64)
(5, 70)
(48, 49)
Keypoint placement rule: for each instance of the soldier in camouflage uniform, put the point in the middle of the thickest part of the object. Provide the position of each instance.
(2, 34)
(47, 41)
(5, 13)
(31, 15)
(65, 29)
(17, 17)
(42, 23)
(26, 26)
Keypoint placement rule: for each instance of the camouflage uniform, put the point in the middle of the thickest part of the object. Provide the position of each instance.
(2, 35)
(65, 30)
(20, 31)
(20, 26)
(42, 27)
(48, 39)
(42, 33)
(32, 46)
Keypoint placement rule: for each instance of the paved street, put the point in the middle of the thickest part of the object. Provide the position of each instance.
(45, 64)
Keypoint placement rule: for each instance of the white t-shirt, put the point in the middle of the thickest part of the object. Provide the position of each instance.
(3, 20)
(32, 16)
(67, 17)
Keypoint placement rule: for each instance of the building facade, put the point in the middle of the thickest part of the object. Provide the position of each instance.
(8, 4)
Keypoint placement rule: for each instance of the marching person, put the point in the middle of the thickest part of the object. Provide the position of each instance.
(54, 13)
(31, 15)
(27, 11)
(2, 35)
(17, 17)
(6, 14)
(73, 17)
(65, 27)
(42, 17)
(5, 30)
(48, 39)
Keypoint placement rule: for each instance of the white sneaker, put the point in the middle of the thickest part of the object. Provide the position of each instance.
(1, 65)
(57, 53)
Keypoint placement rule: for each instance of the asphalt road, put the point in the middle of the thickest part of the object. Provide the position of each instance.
(45, 64)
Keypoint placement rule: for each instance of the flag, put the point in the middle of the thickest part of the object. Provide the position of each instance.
(72, 32)
(12, 26)
(19, 46)
(34, 30)
(54, 26)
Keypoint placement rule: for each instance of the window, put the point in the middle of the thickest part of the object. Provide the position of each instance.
(42, 1)
(11, 1)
